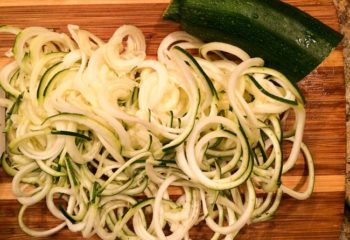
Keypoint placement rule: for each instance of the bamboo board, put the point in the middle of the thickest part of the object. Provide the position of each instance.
(320, 217)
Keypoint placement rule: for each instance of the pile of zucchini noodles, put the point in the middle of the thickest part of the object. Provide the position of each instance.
(127, 147)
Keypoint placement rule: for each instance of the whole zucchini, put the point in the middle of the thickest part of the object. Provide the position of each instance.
(288, 39)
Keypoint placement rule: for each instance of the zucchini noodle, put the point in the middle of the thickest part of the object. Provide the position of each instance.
(126, 147)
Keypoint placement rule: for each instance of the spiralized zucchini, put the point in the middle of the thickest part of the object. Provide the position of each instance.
(127, 147)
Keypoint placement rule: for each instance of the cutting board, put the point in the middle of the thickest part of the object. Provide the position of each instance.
(319, 217)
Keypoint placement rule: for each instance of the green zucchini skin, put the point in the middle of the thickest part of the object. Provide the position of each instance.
(288, 39)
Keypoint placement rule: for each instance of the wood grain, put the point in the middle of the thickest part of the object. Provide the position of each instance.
(290, 223)
(319, 217)
(73, 2)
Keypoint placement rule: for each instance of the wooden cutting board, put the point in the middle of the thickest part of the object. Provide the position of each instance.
(319, 217)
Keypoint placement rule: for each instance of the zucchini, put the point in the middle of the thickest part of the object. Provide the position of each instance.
(44, 79)
(288, 39)
(9, 29)
(72, 175)
(66, 214)
(6, 166)
(14, 107)
(13, 110)
(267, 93)
(58, 77)
(195, 65)
(73, 134)
(94, 193)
